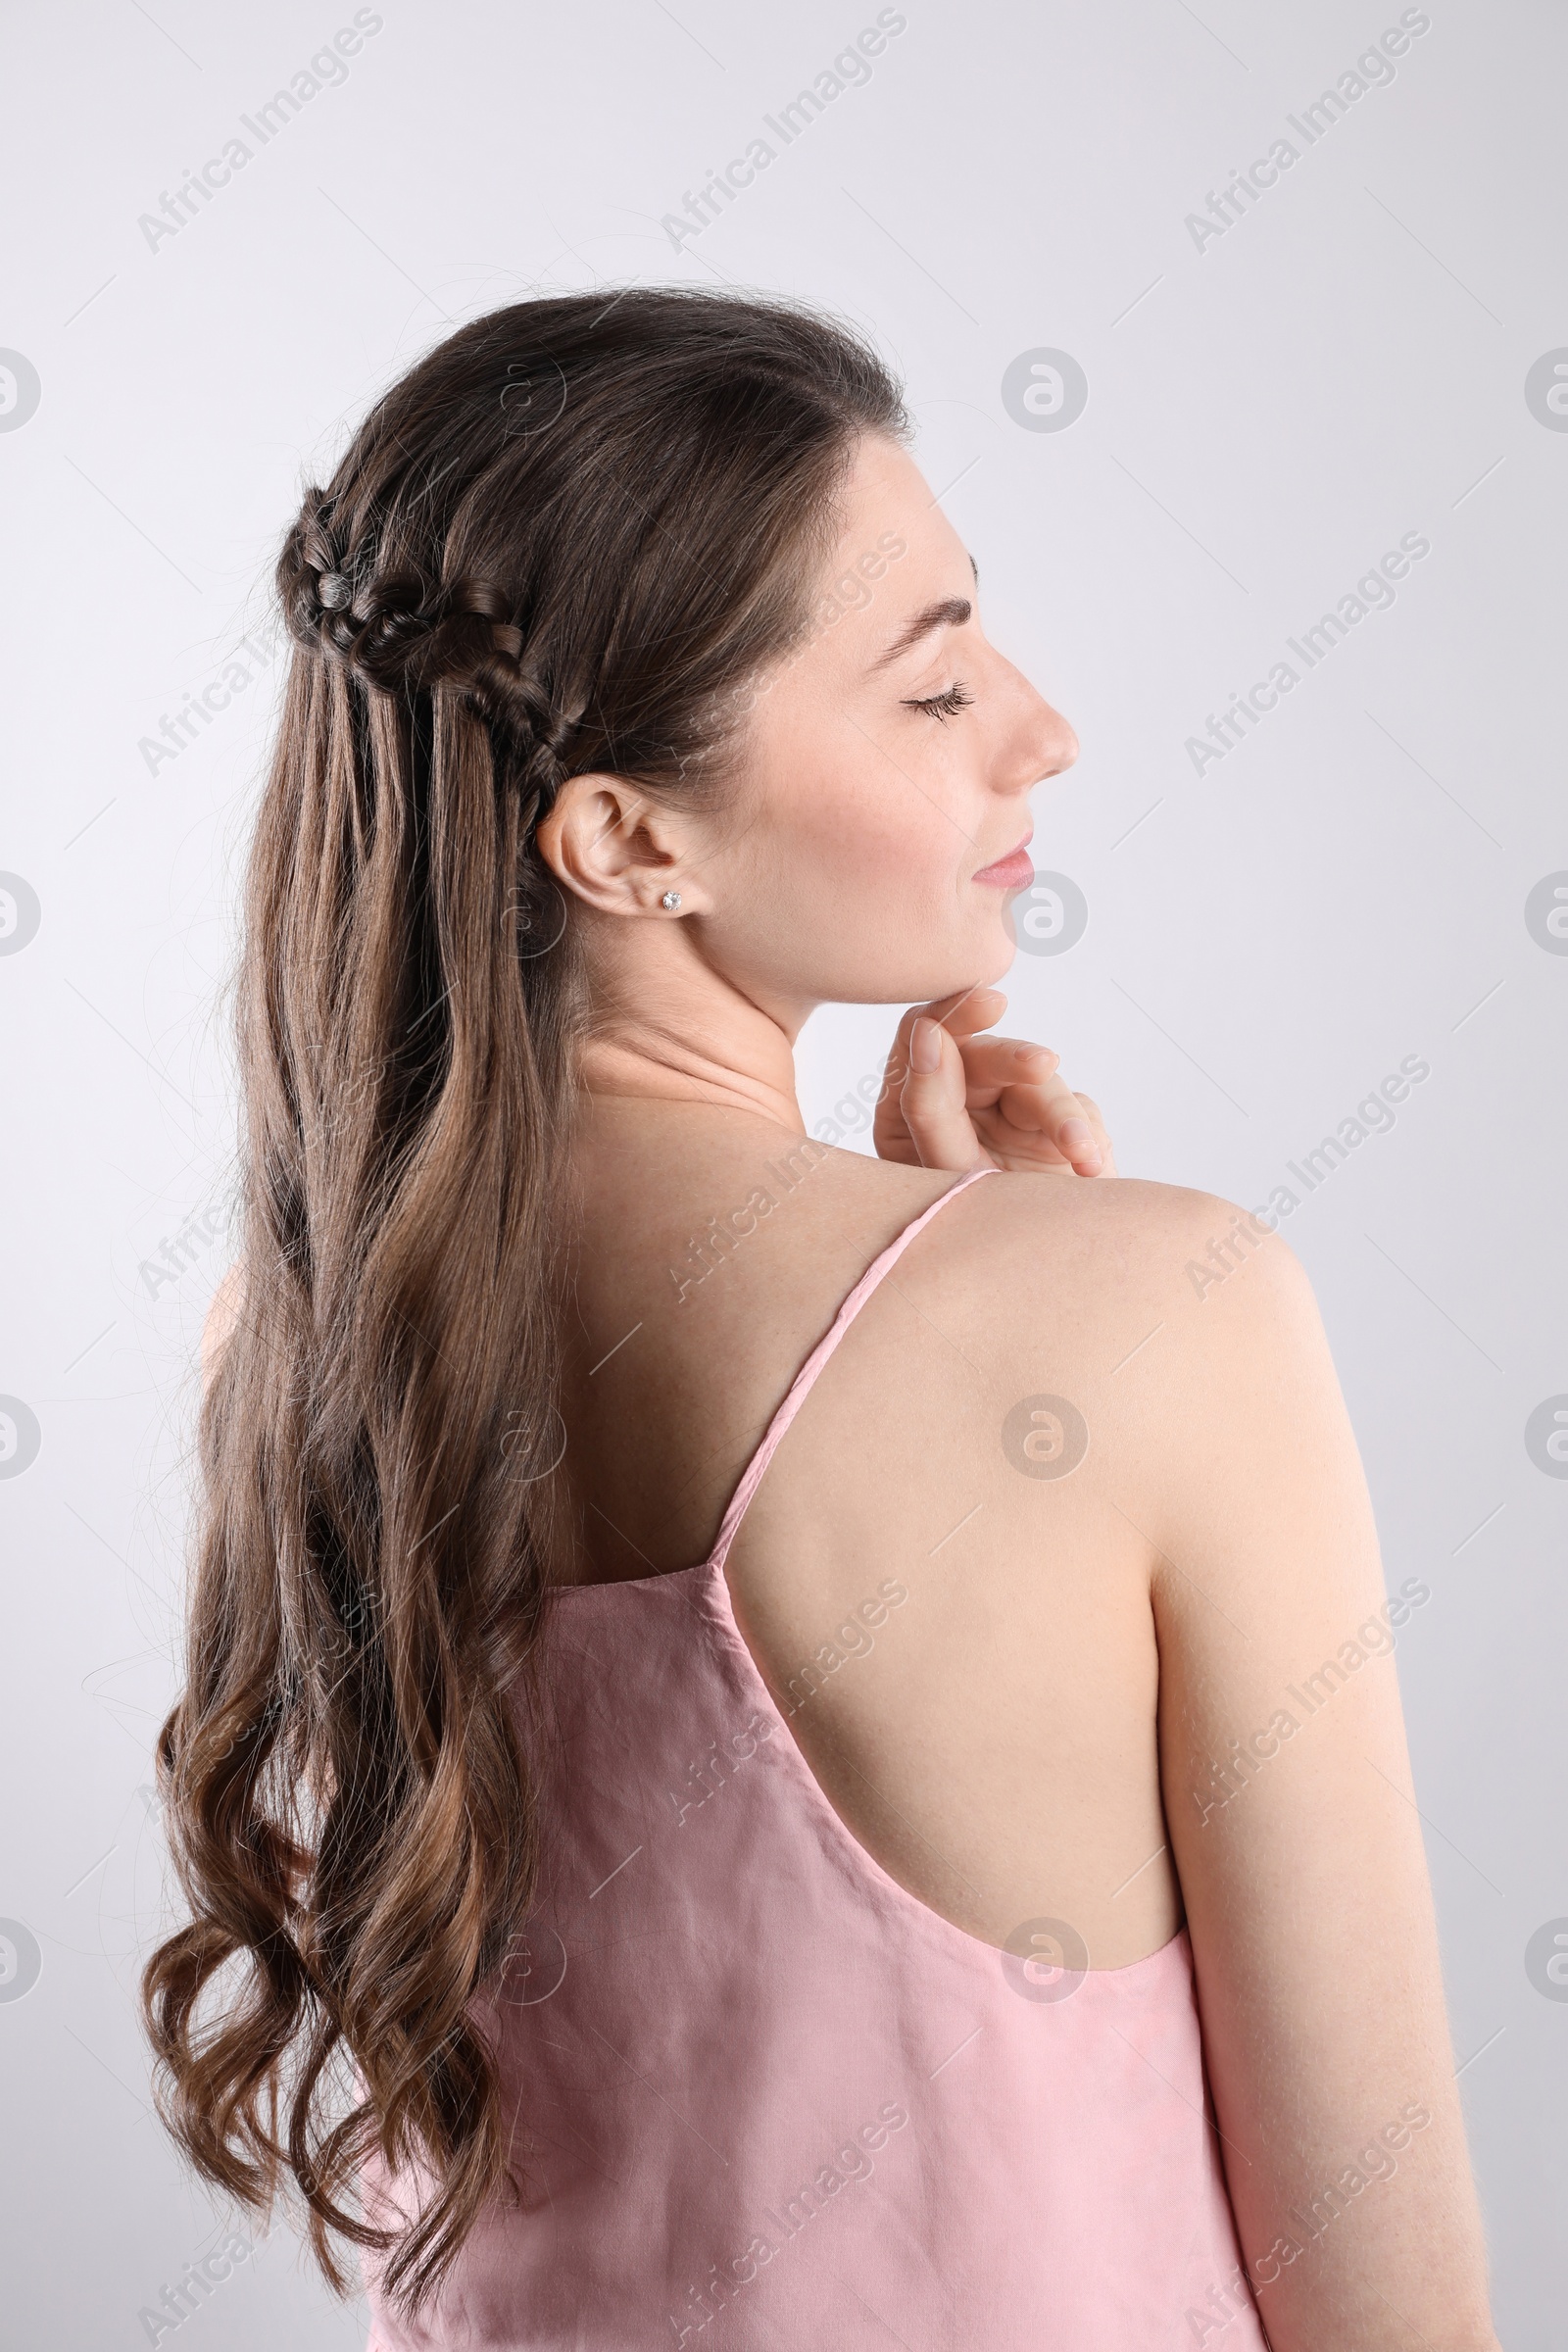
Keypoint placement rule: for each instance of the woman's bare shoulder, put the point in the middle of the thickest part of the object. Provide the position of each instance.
(1093, 1257)
(1166, 1317)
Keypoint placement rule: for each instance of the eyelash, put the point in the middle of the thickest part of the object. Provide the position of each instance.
(944, 706)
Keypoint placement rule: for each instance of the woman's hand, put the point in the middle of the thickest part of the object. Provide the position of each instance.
(953, 1099)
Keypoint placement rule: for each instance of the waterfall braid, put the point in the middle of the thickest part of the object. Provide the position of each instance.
(561, 544)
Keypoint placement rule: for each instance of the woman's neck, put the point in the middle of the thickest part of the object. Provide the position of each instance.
(665, 1025)
(704, 1044)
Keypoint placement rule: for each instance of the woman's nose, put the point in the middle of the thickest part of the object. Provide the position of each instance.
(1059, 742)
(1043, 741)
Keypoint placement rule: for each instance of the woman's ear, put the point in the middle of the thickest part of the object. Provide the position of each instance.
(617, 849)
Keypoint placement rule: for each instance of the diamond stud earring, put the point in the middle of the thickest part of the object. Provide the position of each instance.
(670, 900)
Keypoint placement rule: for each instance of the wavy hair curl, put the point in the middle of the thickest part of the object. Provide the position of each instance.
(560, 545)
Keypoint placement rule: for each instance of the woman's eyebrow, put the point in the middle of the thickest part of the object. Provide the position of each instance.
(950, 614)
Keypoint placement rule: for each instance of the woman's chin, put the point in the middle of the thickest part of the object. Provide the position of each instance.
(956, 979)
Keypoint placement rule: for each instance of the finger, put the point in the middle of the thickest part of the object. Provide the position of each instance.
(1093, 1114)
(959, 1015)
(932, 1102)
(1090, 1112)
(993, 1062)
(1078, 1144)
(972, 1010)
(1052, 1110)
(1079, 1134)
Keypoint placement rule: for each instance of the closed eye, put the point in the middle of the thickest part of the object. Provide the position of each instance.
(943, 705)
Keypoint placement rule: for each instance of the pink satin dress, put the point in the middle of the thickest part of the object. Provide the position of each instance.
(764, 2098)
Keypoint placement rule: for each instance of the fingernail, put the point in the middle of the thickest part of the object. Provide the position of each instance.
(925, 1048)
(1076, 1140)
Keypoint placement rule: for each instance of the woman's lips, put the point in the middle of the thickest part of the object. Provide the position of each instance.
(1011, 872)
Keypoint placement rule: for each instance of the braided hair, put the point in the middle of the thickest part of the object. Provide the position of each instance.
(398, 630)
(560, 545)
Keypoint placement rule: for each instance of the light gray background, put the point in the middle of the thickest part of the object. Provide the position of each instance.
(1265, 417)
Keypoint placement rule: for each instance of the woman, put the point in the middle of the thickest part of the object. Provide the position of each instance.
(958, 1887)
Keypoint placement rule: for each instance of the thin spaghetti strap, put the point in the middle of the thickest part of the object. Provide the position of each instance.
(805, 1378)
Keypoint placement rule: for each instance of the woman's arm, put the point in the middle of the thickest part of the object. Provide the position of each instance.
(1294, 1826)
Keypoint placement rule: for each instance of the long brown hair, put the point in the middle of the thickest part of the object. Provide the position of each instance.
(561, 544)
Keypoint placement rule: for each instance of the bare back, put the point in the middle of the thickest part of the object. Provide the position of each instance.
(949, 1605)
